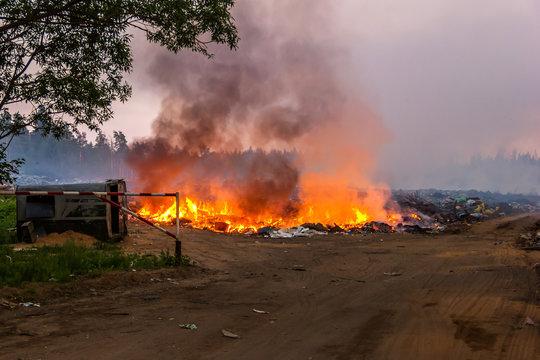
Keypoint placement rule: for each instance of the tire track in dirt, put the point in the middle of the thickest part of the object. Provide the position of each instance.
(454, 294)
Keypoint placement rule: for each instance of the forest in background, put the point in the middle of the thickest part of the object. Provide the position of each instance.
(74, 158)
(70, 159)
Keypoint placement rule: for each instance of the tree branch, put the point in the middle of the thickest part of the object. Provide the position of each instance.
(36, 16)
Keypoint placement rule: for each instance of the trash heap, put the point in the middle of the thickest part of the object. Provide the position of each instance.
(426, 211)
(464, 206)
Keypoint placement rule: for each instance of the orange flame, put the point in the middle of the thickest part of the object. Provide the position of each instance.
(342, 208)
(414, 216)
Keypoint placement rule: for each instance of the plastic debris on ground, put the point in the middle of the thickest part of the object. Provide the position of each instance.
(29, 304)
(229, 334)
(188, 326)
(295, 232)
(260, 311)
(8, 304)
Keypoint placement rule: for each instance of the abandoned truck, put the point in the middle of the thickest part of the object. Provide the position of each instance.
(39, 215)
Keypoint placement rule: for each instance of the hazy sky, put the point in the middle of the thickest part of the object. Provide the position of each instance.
(449, 78)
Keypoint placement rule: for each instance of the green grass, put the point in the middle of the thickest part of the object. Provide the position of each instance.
(61, 263)
(8, 220)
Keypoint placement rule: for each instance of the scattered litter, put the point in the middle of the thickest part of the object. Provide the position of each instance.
(260, 311)
(188, 326)
(148, 298)
(392, 274)
(265, 230)
(134, 270)
(282, 233)
(306, 232)
(154, 279)
(7, 303)
(229, 334)
(529, 321)
(529, 241)
(335, 229)
(28, 304)
(299, 231)
(317, 227)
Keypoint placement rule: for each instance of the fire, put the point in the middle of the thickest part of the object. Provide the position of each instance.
(415, 216)
(227, 216)
(245, 191)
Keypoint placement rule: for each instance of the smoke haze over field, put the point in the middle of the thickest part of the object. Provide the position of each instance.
(416, 89)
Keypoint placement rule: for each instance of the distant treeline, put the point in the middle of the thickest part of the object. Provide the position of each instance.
(522, 158)
(71, 158)
(515, 173)
(74, 159)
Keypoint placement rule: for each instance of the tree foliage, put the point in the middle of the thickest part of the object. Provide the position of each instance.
(62, 62)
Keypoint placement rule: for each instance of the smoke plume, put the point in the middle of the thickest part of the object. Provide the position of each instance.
(266, 122)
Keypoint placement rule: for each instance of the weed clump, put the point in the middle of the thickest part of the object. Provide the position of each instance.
(61, 263)
(8, 219)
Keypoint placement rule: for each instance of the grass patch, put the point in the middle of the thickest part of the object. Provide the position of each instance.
(8, 219)
(61, 263)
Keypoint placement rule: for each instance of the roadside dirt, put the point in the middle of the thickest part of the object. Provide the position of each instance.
(465, 295)
(59, 239)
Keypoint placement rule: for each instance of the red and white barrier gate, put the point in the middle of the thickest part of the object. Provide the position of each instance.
(101, 195)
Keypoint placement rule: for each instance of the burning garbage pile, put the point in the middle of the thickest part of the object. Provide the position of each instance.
(234, 207)
(223, 218)
(275, 139)
(412, 212)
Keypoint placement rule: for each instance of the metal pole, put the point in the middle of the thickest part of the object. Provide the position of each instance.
(83, 193)
(177, 215)
(135, 215)
(178, 243)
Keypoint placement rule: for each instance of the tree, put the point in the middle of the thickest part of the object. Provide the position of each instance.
(62, 62)
(120, 143)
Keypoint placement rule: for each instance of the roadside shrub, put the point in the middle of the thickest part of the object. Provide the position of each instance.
(8, 220)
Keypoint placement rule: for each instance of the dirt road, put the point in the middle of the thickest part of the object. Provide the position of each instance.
(393, 296)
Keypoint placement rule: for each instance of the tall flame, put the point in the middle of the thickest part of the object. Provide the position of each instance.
(228, 216)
